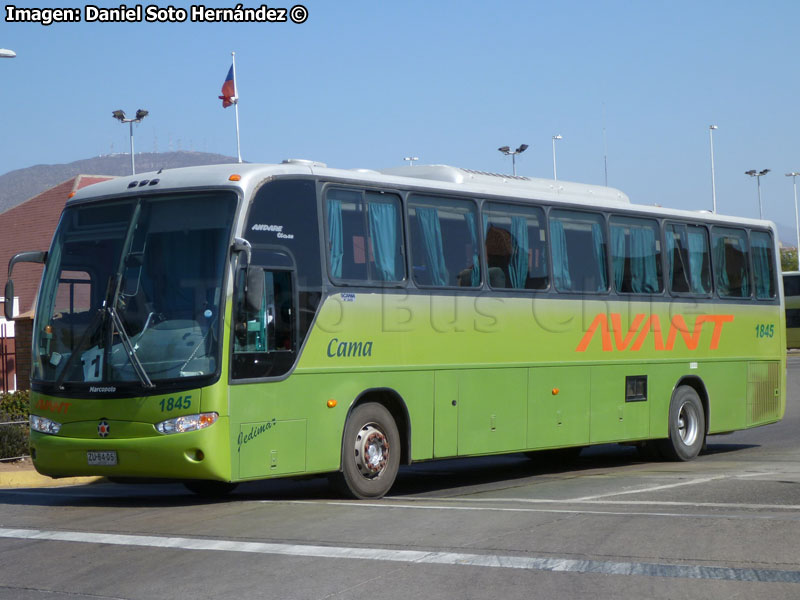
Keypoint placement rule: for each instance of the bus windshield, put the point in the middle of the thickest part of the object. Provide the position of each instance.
(132, 292)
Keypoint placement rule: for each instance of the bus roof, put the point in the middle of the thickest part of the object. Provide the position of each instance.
(431, 178)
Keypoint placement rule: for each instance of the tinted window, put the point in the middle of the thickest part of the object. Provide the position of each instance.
(284, 230)
(791, 285)
(731, 271)
(578, 246)
(688, 259)
(365, 236)
(444, 242)
(763, 252)
(516, 246)
(636, 255)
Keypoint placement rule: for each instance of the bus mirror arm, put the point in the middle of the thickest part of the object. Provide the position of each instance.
(33, 257)
(242, 245)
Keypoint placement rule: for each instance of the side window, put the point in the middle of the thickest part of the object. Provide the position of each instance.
(365, 236)
(636, 255)
(731, 271)
(763, 253)
(445, 242)
(791, 284)
(578, 246)
(71, 310)
(688, 259)
(74, 294)
(516, 246)
(264, 323)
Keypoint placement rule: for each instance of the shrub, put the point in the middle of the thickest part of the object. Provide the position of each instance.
(14, 438)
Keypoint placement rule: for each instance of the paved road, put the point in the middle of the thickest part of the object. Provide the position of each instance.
(610, 526)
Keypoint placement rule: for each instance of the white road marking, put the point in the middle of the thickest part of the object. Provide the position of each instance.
(655, 488)
(564, 565)
(574, 511)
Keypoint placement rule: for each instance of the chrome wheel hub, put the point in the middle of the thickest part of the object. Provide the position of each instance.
(371, 451)
(688, 423)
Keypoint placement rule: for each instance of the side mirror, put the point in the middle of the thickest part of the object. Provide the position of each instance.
(254, 292)
(33, 257)
(8, 306)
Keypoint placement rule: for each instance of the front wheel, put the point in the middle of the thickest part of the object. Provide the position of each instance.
(370, 453)
(687, 426)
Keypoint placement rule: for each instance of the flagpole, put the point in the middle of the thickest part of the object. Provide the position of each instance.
(236, 107)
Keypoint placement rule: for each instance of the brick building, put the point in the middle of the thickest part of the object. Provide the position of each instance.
(30, 226)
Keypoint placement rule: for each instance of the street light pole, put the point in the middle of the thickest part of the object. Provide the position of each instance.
(711, 129)
(794, 175)
(513, 154)
(411, 160)
(758, 175)
(120, 116)
(555, 137)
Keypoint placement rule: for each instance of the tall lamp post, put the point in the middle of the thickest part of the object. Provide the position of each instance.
(555, 137)
(120, 116)
(758, 175)
(513, 154)
(711, 129)
(411, 160)
(5, 53)
(794, 175)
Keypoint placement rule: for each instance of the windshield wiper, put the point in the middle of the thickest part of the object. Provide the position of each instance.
(130, 350)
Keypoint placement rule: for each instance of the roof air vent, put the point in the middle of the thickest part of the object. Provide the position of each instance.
(303, 162)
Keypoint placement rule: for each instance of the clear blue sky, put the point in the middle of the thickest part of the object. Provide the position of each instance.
(365, 83)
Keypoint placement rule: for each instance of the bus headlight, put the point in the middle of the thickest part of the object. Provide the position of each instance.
(44, 425)
(187, 423)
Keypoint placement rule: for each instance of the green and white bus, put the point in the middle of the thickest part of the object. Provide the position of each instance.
(222, 324)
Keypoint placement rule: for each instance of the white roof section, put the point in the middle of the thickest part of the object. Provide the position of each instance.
(510, 184)
(427, 178)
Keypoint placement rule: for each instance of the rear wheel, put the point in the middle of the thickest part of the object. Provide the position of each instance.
(687, 426)
(370, 453)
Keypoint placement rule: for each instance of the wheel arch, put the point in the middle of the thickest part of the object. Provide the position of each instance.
(394, 403)
(699, 386)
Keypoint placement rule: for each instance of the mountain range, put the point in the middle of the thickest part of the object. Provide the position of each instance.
(23, 184)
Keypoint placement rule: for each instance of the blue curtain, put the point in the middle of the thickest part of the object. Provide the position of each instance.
(383, 233)
(644, 269)
(335, 239)
(558, 242)
(600, 256)
(761, 245)
(428, 219)
(721, 268)
(697, 254)
(518, 266)
(618, 256)
(743, 272)
(475, 277)
(670, 249)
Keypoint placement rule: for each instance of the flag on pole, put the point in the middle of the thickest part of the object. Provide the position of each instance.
(228, 90)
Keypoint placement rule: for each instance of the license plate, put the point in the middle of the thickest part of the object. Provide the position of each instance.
(107, 458)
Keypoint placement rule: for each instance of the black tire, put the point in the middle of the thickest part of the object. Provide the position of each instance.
(687, 426)
(370, 453)
(210, 489)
